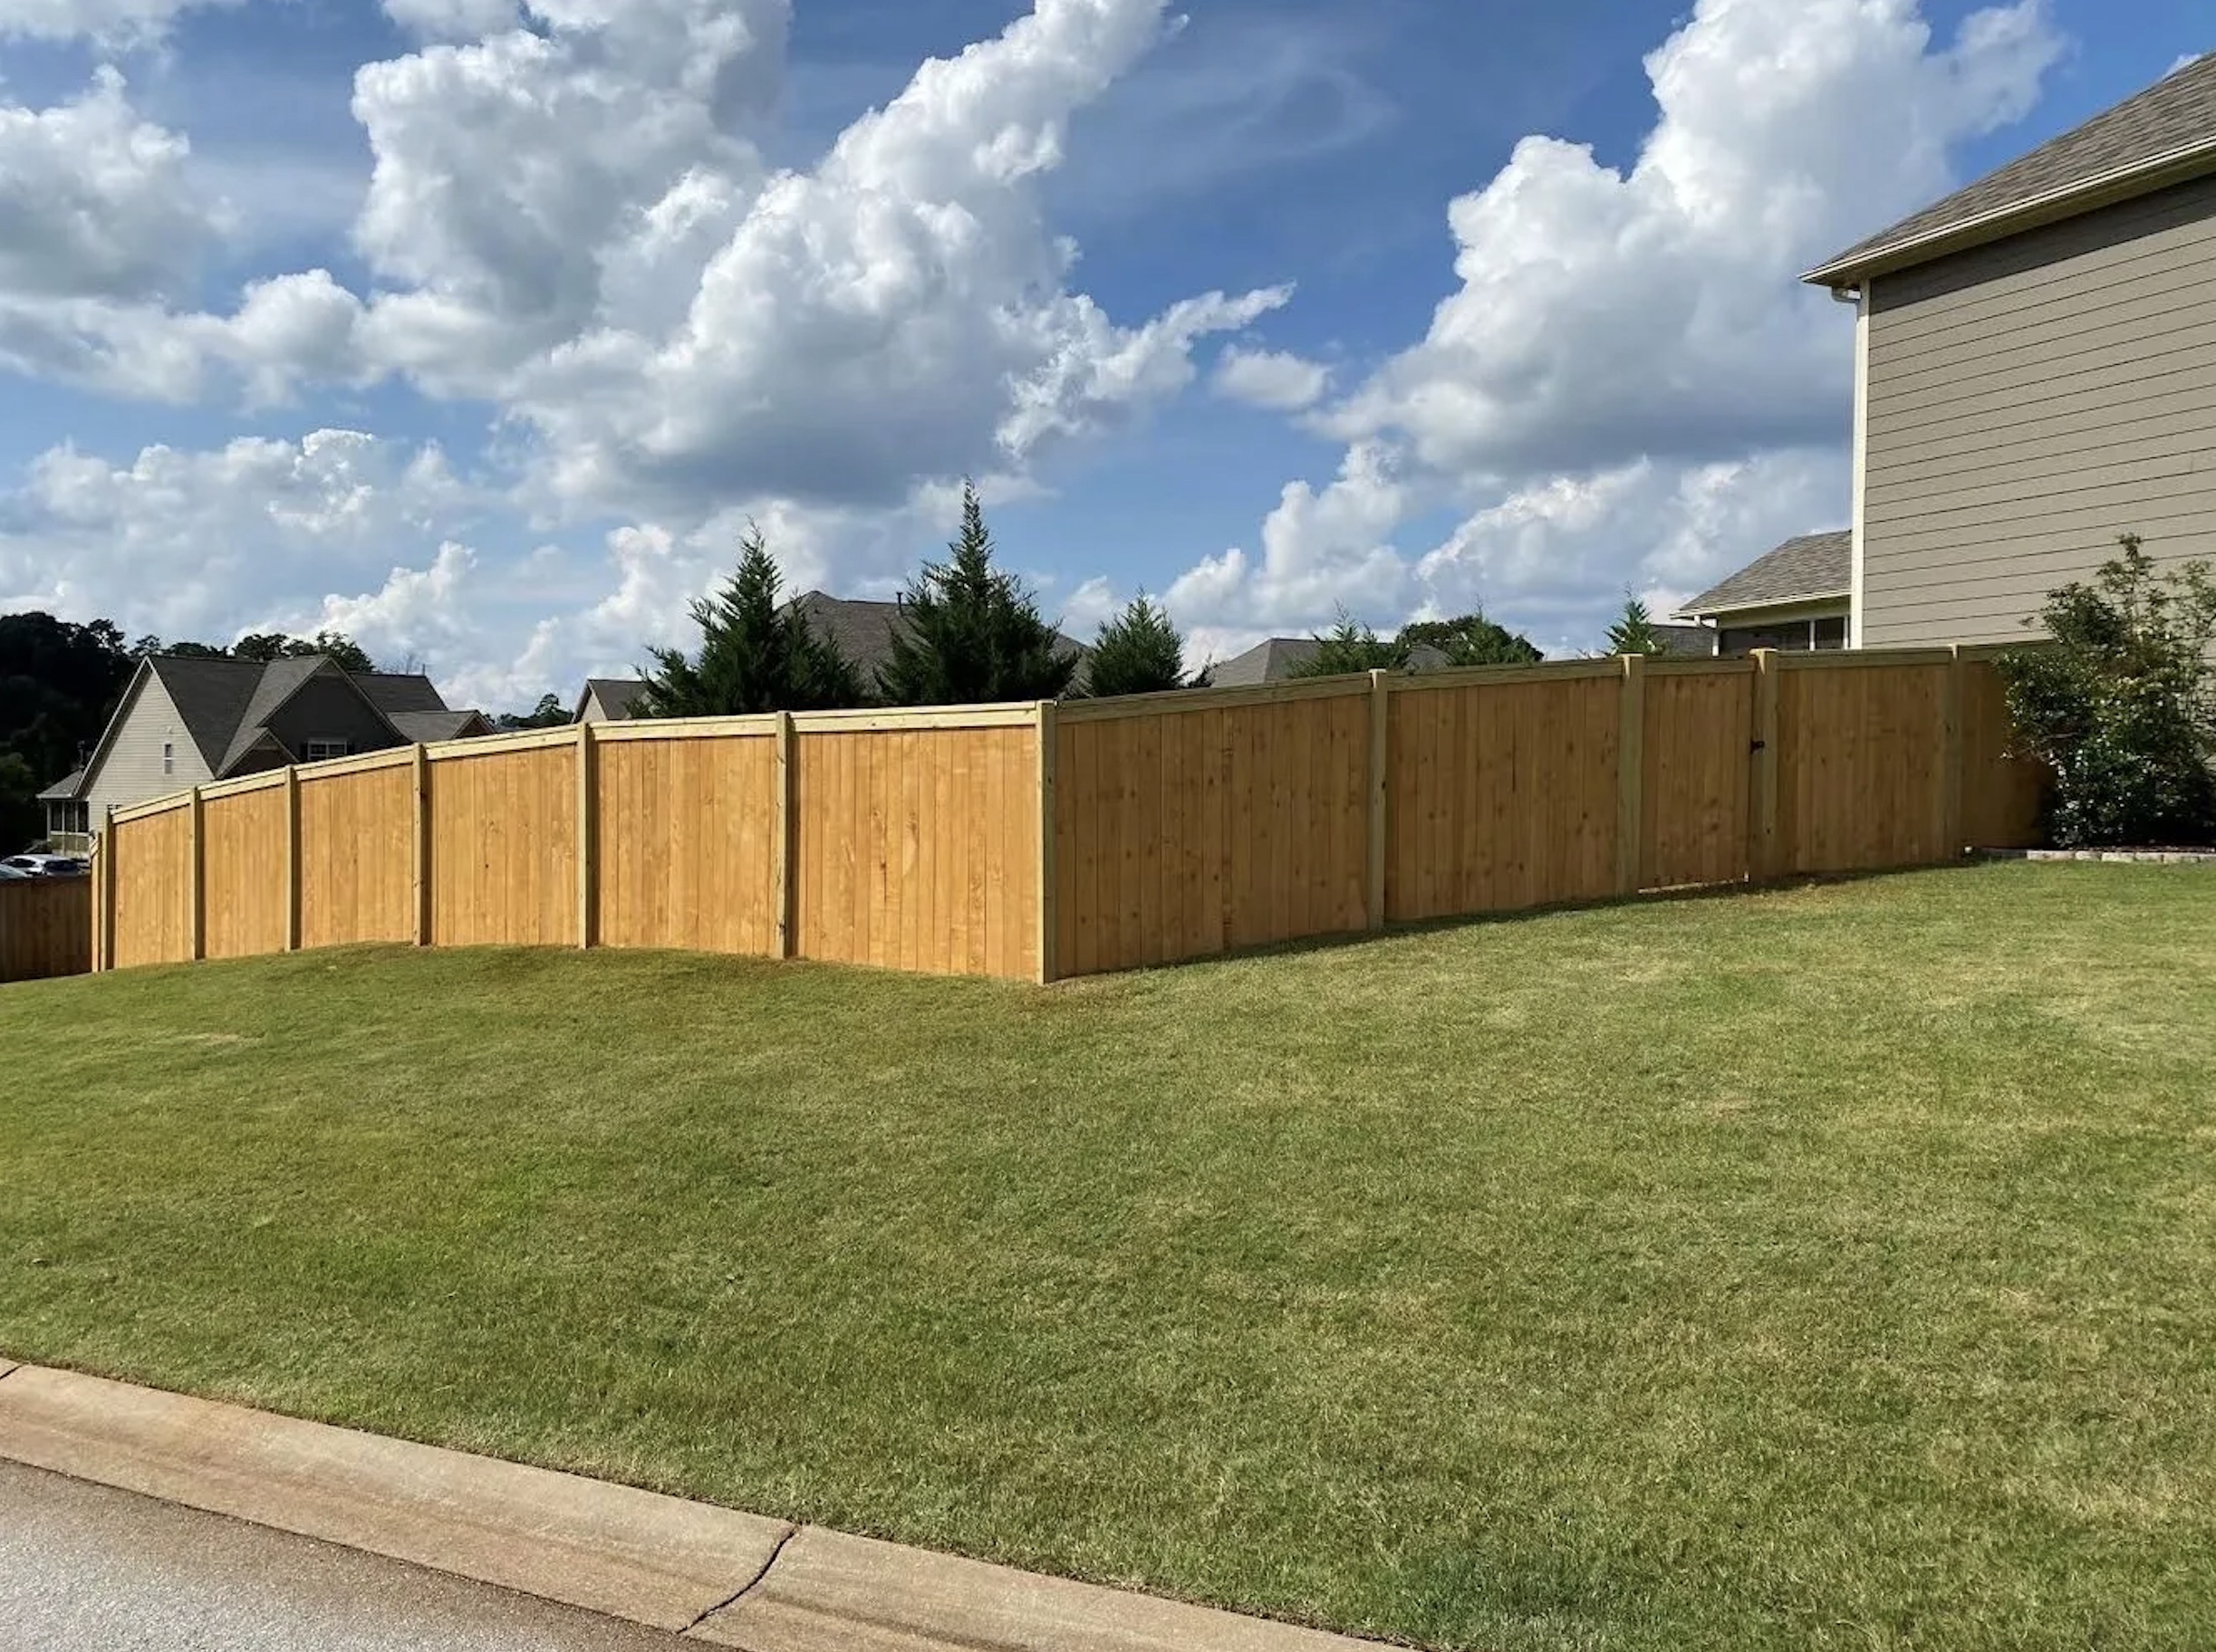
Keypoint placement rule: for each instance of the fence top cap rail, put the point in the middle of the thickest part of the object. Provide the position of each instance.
(881, 719)
(267, 781)
(152, 807)
(369, 763)
(1821, 659)
(1212, 699)
(1543, 671)
(522, 740)
(683, 728)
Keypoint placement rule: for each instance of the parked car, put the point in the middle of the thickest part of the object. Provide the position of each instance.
(46, 866)
(7, 872)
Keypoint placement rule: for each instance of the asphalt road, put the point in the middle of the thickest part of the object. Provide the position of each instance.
(85, 1567)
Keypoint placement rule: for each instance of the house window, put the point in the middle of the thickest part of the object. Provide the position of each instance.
(322, 750)
(169, 757)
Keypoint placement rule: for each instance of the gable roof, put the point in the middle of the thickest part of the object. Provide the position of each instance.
(62, 790)
(430, 727)
(225, 704)
(2166, 135)
(1810, 569)
(617, 695)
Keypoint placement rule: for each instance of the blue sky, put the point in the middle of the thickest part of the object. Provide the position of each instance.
(479, 331)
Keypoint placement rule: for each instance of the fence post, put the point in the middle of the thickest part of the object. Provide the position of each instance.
(1762, 790)
(588, 836)
(786, 892)
(1951, 779)
(196, 920)
(1381, 792)
(1630, 777)
(1044, 727)
(107, 891)
(421, 857)
(292, 858)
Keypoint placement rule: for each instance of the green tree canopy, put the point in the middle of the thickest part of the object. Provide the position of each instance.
(971, 634)
(756, 654)
(1633, 631)
(349, 655)
(59, 683)
(1139, 652)
(1471, 640)
(1350, 645)
(549, 713)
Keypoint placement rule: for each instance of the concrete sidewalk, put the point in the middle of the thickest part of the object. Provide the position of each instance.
(709, 1574)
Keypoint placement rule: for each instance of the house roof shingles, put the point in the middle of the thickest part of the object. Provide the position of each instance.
(2173, 120)
(863, 631)
(616, 694)
(1809, 569)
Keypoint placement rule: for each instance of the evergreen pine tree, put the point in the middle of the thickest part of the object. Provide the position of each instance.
(971, 635)
(1633, 631)
(1139, 652)
(756, 655)
(1351, 646)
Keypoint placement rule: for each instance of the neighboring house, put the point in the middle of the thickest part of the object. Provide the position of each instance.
(2035, 374)
(1285, 657)
(186, 722)
(609, 699)
(864, 632)
(1796, 597)
(1687, 641)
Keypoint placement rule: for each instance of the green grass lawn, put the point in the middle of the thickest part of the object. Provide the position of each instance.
(1834, 1267)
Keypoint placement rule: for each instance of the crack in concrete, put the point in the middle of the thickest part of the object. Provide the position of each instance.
(751, 1584)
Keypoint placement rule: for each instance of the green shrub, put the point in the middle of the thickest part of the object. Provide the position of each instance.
(2122, 703)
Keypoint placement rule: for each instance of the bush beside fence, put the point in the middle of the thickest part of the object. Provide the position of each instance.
(1043, 842)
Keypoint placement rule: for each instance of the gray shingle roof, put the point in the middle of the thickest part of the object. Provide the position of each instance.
(280, 679)
(616, 694)
(863, 631)
(2172, 120)
(1280, 658)
(225, 704)
(1804, 569)
(62, 790)
(430, 727)
(392, 692)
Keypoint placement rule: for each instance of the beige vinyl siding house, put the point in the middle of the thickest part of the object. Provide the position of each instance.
(2029, 402)
(149, 752)
(2035, 374)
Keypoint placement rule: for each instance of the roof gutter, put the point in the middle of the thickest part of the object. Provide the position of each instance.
(2108, 188)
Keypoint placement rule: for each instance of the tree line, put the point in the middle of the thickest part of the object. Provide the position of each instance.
(972, 633)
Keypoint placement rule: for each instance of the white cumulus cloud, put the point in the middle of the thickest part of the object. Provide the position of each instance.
(1629, 384)
(1271, 379)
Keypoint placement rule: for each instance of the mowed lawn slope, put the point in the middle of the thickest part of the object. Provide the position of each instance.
(1832, 1268)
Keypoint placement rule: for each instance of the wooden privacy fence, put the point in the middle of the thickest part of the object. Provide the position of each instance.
(46, 927)
(1043, 841)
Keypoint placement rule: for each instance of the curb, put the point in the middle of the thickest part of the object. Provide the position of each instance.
(709, 1574)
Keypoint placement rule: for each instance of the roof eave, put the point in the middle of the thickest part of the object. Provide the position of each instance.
(2106, 189)
(1704, 609)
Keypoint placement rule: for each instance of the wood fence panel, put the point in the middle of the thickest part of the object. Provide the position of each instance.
(688, 843)
(1181, 834)
(2003, 797)
(46, 927)
(918, 849)
(1504, 795)
(1695, 792)
(357, 842)
(243, 838)
(153, 889)
(1862, 766)
(503, 857)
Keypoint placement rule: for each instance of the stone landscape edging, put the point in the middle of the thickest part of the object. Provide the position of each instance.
(2121, 857)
